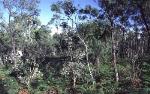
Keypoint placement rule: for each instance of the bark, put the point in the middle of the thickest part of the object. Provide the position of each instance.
(114, 57)
(143, 17)
(12, 35)
(86, 51)
(74, 81)
(14, 53)
(32, 74)
(97, 62)
(87, 59)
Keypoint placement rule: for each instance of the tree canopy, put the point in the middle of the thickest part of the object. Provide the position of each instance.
(103, 49)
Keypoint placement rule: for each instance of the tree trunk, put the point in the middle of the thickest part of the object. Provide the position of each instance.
(114, 57)
(97, 62)
(14, 53)
(89, 68)
(86, 51)
(146, 26)
(87, 59)
(74, 81)
(12, 35)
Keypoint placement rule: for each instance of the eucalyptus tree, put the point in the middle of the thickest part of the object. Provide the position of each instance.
(127, 15)
(22, 20)
(67, 12)
(20, 14)
(98, 40)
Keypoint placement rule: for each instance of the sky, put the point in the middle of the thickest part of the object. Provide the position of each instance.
(44, 6)
(46, 13)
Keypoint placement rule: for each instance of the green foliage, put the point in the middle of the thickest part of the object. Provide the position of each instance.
(106, 82)
(82, 58)
(10, 83)
(146, 76)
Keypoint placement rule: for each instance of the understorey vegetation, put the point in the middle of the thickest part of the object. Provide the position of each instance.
(102, 49)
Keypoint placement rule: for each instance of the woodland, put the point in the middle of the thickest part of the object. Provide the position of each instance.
(101, 50)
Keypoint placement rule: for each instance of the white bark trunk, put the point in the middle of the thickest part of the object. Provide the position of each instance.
(87, 59)
(114, 57)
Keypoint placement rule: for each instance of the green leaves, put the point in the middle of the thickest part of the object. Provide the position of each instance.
(90, 11)
(55, 8)
(65, 6)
